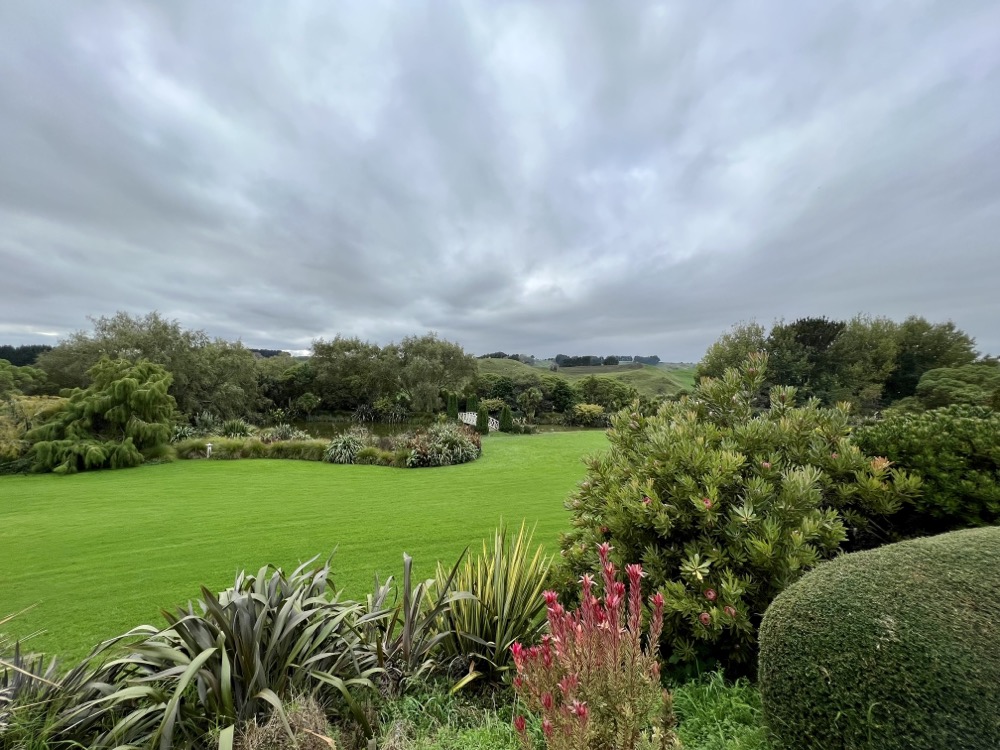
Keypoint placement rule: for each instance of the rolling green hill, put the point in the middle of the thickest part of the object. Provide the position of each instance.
(649, 380)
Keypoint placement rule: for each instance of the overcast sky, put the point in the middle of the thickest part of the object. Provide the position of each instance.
(537, 177)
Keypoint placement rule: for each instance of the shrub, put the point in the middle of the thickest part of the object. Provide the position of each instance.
(302, 450)
(408, 632)
(472, 403)
(506, 419)
(282, 432)
(506, 581)
(124, 411)
(235, 428)
(207, 423)
(492, 405)
(238, 657)
(482, 421)
(889, 648)
(343, 448)
(725, 505)
(591, 679)
(369, 456)
(453, 406)
(587, 415)
(443, 445)
(956, 451)
(183, 432)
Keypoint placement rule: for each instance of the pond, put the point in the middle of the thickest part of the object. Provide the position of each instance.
(330, 428)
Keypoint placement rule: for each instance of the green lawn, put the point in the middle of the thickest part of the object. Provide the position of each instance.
(102, 552)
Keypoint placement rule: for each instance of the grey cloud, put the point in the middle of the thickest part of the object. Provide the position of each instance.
(520, 176)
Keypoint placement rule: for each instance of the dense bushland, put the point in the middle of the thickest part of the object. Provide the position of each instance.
(725, 504)
(889, 648)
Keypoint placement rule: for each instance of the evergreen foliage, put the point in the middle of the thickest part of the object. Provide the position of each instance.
(126, 411)
(506, 419)
(890, 649)
(453, 406)
(956, 451)
(482, 421)
(472, 403)
(725, 505)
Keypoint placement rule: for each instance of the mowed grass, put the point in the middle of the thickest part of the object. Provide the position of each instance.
(99, 553)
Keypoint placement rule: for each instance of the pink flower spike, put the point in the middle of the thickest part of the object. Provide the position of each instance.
(547, 727)
(547, 701)
(658, 599)
(519, 724)
(603, 550)
(634, 573)
(551, 598)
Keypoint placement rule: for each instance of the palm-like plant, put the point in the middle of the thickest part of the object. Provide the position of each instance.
(506, 582)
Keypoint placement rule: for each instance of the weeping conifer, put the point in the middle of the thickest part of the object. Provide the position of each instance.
(124, 412)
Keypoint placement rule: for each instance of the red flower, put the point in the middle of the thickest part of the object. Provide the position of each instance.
(517, 651)
(551, 598)
(706, 619)
(707, 502)
(547, 727)
(519, 724)
(657, 599)
(646, 500)
(518, 682)
(581, 710)
(834, 456)
(731, 611)
(547, 701)
(710, 594)
(766, 464)
(604, 529)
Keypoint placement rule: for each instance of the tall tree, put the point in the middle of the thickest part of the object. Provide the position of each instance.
(731, 349)
(927, 346)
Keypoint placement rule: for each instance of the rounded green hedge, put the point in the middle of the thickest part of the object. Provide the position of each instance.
(897, 647)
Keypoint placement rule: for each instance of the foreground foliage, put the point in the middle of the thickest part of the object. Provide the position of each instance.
(890, 648)
(956, 451)
(592, 680)
(725, 505)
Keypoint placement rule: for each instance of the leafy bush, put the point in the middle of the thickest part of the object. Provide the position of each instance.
(591, 679)
(344, 448)
(506, 419)
(506, 582)
(407, 640)
(235, 428)
(956, 451)
(587, 415)
(183, 432)
(889, 648)
(492, 405)
(302, 450)
(443, 445)
(725, 505)
(482, 421)
(125, 410)
(207, 423)
(282, 432)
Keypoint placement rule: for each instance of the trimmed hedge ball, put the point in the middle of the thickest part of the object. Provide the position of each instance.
(897, 647)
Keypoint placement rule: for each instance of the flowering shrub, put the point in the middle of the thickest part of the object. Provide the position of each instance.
(725, 504)
(591, 679)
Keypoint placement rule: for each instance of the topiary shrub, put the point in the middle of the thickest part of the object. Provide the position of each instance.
(472, 403)
(725, 504)
(482, 421)
(506, 419)
(894, 648)
(956, 451)
(453, 406)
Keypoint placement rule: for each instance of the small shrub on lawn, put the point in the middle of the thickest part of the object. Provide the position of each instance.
(592, 681)
(889, 649)
(482, 421)
(506, 419)
(235, 428)
(587, 415)
(344, 448)
(302, 450)
(725, 505)
(956, 451)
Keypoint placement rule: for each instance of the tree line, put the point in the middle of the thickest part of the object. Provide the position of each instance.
(870, 362)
